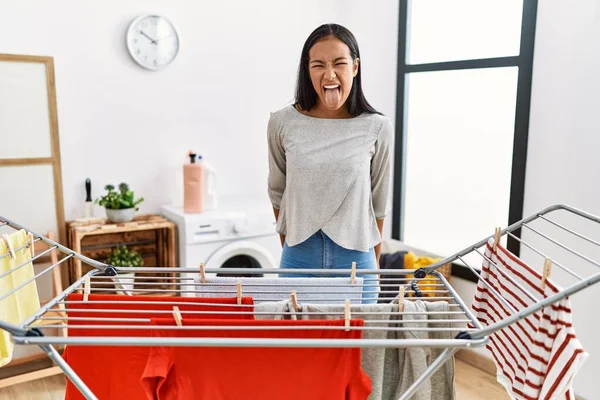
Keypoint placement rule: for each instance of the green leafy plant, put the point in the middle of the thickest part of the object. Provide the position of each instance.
(119, 199)
(124, 257)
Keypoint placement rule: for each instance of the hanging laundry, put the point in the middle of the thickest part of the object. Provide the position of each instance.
(538, 356)
(246, 373)
(274, 310)
(310, 289)
(113, 372)
(393, 370)
(24, 302)
(413, 361)
(390, 283)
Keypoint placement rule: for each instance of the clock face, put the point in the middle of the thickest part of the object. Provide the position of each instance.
(152, 41)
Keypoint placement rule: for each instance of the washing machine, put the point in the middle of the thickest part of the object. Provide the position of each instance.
(225, 239)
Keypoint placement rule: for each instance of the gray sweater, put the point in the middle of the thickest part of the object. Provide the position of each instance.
(330, 174)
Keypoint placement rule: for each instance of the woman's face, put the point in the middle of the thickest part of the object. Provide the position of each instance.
(332, 72)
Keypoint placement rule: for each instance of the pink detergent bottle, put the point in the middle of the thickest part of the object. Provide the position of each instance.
(193, 186)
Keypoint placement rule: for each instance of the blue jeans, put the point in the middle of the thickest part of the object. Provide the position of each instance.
(319, 251)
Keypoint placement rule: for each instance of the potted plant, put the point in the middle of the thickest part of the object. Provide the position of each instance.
(120, 205)
(123, 257)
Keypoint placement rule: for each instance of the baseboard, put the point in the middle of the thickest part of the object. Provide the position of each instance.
(30, 376)
(477, 360)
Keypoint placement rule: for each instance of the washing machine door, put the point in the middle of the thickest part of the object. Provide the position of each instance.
(241, 254)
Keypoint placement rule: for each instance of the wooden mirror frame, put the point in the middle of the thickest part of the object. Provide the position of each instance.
(54, 159)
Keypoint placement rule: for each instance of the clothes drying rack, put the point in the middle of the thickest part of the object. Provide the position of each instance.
(546, 231)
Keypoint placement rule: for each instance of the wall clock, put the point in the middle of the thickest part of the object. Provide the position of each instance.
(152, 41)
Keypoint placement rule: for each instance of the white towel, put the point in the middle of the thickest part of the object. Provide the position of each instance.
(334, 290)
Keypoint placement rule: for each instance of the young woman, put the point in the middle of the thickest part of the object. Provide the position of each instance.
(329, 162)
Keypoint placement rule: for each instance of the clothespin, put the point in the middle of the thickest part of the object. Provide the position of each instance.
(239, 292)
(353, 273)
(31, 247)
(401, 299)
(546, 271)
(496, 239)
(202, 273)
(177, 316)
(295, 301)
(347, 314)
(9, 246)
(86, 288)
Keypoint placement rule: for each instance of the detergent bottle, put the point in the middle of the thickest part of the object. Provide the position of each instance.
(199, 185)
(193, 186)
(209, 193)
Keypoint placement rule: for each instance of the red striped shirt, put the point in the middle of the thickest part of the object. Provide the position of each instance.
(538, 356)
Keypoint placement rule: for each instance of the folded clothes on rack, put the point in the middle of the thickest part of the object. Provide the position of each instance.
(393, 370)
(113, 372)
(179, 373)
(538, 356)
(273, 289)
(18, 299)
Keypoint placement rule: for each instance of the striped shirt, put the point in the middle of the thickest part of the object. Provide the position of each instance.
(536, 357)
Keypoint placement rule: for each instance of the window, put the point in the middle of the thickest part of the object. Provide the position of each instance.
(464, 82)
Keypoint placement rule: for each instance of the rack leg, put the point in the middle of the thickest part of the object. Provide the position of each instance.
(53, 354)
(442, 358)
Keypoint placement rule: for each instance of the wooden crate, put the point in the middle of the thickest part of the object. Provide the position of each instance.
(153, 236)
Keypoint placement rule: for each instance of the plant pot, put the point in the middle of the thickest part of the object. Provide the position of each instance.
(126, 281)
(121, 215)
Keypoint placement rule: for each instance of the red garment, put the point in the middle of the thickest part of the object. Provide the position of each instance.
(113, 372)
(247, 373)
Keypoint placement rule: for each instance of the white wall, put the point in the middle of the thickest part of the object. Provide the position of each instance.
(563, 164)
(562, 161)
(238, 61)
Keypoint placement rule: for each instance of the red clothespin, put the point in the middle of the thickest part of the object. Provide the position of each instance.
(546, 271)
(202, 273)
(353, 273)
(177, 316)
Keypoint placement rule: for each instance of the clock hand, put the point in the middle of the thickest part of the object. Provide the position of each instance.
(166, 37)
(149, 38)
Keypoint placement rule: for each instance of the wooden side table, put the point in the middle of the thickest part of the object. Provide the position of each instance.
(153, 236)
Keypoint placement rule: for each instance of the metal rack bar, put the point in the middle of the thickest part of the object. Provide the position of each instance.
(25, 263)
(538, 306)
(511, 228)
(192, 280)
(251, 342)
(431, 369)
(71, 375)
(489, 286)
(18, 248)
(34, 278)
(253, 328)
(563, 246)
(510, 278)
(66, 250)
(543, 255)
(579, 235)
